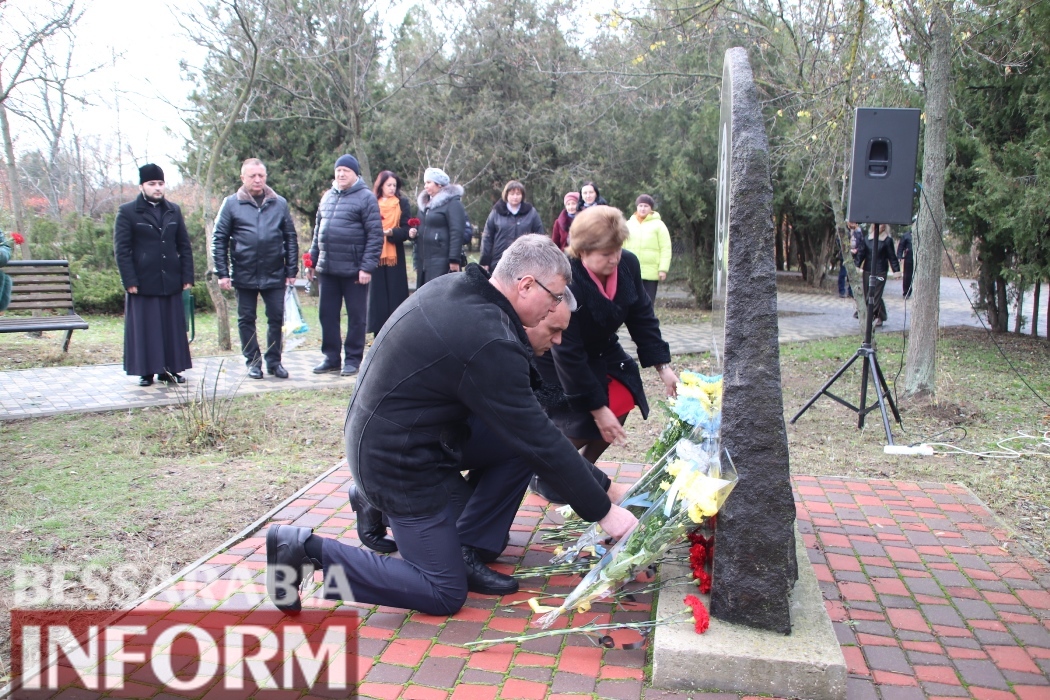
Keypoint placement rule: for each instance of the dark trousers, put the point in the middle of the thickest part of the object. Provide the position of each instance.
(650, 288)
(844, 288)
(880, 303)
(907, 266)
(247, 309)
(498, 480)
(430, 576)
(335, 291)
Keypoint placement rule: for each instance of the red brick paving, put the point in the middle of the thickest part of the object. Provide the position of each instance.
(927, 594)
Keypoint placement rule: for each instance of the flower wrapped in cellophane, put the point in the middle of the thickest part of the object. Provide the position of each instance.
(698, 405)
(696, 481)
(638, 499)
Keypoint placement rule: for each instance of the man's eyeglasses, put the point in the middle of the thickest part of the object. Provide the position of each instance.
(558, 298)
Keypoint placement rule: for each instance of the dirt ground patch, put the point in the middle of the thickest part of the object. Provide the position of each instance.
(122, 492)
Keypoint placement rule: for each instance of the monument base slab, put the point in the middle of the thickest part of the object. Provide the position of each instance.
(808, 663)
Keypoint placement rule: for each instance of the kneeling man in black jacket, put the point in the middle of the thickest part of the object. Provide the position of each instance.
(427, 373)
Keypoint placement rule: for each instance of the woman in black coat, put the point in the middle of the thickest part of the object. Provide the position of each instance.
(887, 259)
(389, 286)
(155, 259)
(590, 196)
(510, 219)
(601, 381)
(439, 239)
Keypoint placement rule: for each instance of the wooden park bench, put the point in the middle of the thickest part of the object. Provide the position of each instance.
(41, 285)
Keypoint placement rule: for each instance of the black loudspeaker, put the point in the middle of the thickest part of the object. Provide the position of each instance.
(882, 181)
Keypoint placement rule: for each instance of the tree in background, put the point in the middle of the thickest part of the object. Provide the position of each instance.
(25, 36)
(999, 182)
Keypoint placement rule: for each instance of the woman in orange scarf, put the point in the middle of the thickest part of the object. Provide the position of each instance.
(390, 280)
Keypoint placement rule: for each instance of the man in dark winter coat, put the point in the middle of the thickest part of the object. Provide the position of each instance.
(155, 259)
(457, 347)
(348, 239)
(255, 236)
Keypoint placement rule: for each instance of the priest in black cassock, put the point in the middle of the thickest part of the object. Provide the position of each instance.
(155, 260)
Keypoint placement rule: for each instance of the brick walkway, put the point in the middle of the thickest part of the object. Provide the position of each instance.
(54, 390)
(928, 595)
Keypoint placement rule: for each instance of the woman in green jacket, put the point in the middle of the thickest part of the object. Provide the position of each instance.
(650, 242)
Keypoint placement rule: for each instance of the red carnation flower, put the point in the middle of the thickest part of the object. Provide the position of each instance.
(307, 260)
(697, 556)
(703, 580)
(413, 222)
(17, 237)
(700, 615)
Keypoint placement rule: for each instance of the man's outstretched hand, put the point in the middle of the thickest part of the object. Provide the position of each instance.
(618, 522)
(617, 491)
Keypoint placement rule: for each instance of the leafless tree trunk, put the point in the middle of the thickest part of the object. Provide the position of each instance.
(920, 379)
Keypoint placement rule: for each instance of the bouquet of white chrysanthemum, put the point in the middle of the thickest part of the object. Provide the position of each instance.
(696, 481)
(697, 406)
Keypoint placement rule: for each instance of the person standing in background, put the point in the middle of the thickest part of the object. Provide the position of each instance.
(347, 244)
(439, 238)
(5, 281)
(155, 260)
(906, 254)
(510, 219)
(589, 195)
(650, 242)
(887, 257)
(255, 239)
(560, 230)
(389, 286)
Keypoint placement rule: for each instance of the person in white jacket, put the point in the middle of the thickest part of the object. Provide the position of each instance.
(651, 242)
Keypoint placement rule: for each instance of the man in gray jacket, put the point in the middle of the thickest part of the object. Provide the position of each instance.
(255, 236)
(347, 243)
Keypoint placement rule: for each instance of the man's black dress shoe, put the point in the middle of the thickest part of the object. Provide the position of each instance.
(370, 528)
(146, 381)
(348, 370)
(278, 371)
(541, 488)
(285, 560)
(255, 372)
(326, 366)
(482, 579)
(172, 378)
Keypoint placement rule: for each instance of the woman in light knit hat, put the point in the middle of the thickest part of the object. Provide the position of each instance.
(439, 238)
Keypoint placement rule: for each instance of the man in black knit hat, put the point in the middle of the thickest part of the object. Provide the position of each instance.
(347, 243)
(155, 260)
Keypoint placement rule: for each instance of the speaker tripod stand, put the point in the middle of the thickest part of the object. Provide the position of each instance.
(869, 362)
